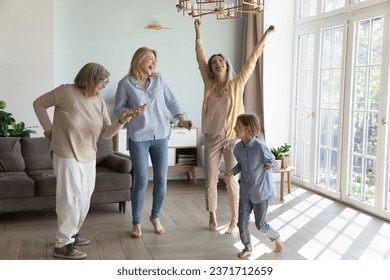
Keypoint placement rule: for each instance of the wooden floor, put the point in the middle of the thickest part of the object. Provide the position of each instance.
(312, 227)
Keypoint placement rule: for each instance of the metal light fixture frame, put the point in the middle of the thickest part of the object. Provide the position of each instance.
(233, 10)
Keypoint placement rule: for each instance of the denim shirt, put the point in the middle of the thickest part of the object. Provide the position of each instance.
(161, 102)
(256, 183)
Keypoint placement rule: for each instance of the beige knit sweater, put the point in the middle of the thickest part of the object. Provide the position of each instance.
(78, 122)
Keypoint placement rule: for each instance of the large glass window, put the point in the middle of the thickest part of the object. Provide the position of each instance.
(307, 8)
(332, 41)
(365, 108)
(330, 5)
(341, 138)
(303, 105)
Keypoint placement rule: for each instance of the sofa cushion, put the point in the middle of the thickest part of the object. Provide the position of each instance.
(45, 182)
(104, 148)
(36, 153)
(118, 163)
(16, 184)
(108, 179)
(11, 159)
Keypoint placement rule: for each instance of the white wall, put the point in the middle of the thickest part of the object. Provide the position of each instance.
(278, 60)
(26, 55)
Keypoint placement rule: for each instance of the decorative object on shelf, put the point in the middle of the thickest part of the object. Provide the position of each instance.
(223, 9)
(156, 26)
(282, 155)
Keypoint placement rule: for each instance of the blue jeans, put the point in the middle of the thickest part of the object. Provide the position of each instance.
(139, 153)
(260, 211)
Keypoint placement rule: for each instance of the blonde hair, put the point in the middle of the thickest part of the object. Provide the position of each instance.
(137, 59)
(251, 121)
(90, 75)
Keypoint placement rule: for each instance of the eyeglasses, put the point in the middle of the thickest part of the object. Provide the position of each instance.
(105, 81)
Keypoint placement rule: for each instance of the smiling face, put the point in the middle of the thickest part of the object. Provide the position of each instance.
(218, 65)
(98, 88)
(148, 63)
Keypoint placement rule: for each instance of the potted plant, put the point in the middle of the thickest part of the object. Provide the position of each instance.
(17, 129)
(286, 150)
(282, 154)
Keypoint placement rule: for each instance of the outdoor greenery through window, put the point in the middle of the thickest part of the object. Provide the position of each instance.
(341, 92)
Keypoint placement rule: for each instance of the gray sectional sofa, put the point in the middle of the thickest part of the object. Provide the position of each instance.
(27, 180)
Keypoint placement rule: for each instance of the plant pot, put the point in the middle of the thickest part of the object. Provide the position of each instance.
(285, 161)
(279, 161)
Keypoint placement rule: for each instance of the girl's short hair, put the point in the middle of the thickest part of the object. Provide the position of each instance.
(229, 67)
(90, 75)
(252, 121)
(136, 62)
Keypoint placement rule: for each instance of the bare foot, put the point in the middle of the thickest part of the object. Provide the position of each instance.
(136, 232)
(232, 227)
(244, 254)
(158, 228)
(213, 221)
(278, 245)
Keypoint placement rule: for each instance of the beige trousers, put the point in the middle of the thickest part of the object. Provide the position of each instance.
(217, 146)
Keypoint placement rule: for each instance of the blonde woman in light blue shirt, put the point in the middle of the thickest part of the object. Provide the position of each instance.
(148, 135)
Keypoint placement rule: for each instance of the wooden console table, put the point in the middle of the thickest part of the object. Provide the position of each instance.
(287, 170)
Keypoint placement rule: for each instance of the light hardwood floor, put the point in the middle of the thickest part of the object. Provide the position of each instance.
(312, 227)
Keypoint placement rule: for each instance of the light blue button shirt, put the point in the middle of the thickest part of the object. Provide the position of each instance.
(161, 105)
(256, 183)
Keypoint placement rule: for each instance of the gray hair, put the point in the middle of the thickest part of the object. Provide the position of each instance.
(90, 75)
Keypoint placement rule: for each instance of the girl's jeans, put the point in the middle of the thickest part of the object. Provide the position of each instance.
(260, 212)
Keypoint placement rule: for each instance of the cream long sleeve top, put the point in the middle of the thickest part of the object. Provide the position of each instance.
(78, 122)
(234, 87)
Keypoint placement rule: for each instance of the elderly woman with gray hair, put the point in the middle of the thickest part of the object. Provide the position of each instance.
(223, 102)
(80, 118)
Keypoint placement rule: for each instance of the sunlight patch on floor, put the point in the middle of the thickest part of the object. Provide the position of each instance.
(341, 244)
(362, 219)
(338, 223)
(353, 230)
(314, 211)
(300, 221)
(289, 215)
(312, 249)
(369, 254)
(259, 250)
(326, 235)
(348, 213)
(329, 254)
(286, 232)
(385, 230)
(302, 206)
(380, 244)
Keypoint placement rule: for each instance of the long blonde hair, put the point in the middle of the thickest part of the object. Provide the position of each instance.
(137, 59)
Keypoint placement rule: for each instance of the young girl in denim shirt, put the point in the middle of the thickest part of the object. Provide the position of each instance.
(255, 162)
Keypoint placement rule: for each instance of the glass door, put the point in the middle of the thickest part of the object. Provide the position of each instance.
(368, 99)
(331, 74)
